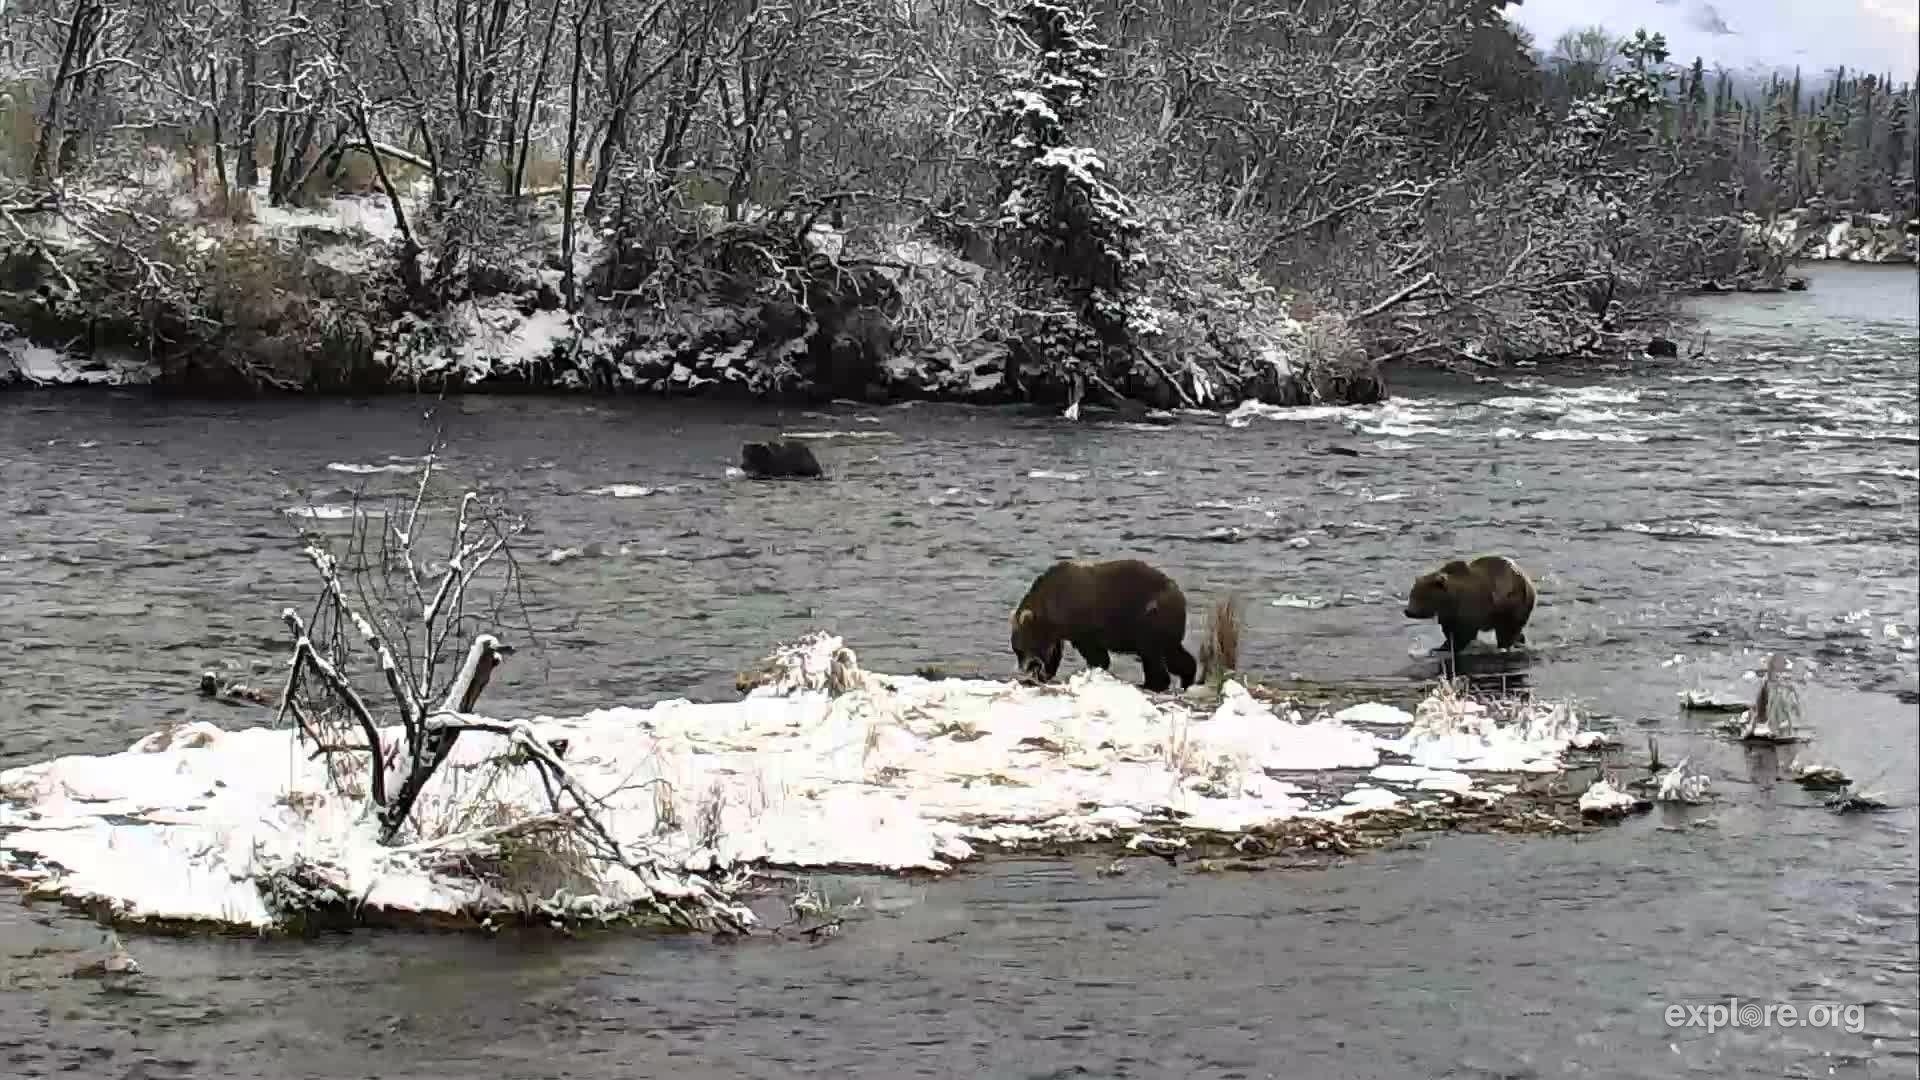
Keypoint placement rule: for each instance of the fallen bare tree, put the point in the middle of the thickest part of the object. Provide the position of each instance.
(425, 627)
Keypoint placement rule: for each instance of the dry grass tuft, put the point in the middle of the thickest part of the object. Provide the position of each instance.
(844, 675)
(537, 861)
(1220, 650)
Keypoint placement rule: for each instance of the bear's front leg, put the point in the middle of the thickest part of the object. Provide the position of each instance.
(1459, 636)
(1051, 661)
(1158, 680)
(1092, 652)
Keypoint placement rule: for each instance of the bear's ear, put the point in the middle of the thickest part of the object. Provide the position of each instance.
(1023, 616)
(1457, 567)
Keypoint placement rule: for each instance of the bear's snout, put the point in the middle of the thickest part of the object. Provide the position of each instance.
(1412, 614)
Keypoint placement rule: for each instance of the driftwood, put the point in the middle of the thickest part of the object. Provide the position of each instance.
(1775, 715)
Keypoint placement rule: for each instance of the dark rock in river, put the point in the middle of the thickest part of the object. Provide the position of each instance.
(779, 459)
(1660, 346)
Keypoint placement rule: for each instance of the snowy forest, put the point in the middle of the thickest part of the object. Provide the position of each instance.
(1056, 201)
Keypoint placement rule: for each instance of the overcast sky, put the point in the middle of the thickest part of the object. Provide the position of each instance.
(1879, 35)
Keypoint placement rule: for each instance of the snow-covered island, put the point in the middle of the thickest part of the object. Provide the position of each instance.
(820, 766)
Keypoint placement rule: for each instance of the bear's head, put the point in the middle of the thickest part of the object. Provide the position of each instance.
(1429, 598)
(1035, 647)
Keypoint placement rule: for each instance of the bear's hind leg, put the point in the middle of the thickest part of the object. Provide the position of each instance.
(1157, 681)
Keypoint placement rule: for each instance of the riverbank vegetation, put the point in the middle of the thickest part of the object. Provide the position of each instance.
(1047, 200)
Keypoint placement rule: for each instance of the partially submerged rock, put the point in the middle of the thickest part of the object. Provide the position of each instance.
(229, 692)
(1820, 777)
(1683, 784)
(1706, 701)
(1850, 802)
(1595, 740)
(1604, 800)
(116, 963)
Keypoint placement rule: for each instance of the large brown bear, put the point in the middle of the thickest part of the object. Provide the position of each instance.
(1122, 606)
(1466, 598)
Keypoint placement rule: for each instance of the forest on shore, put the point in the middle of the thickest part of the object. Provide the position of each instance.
(1054, 201)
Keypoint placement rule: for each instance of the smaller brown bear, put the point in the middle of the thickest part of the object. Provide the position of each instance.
(1466, 598)
(1122, 606)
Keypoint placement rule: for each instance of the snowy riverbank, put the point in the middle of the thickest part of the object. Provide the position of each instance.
(898, 773)
(1813, 235)
(306, 299)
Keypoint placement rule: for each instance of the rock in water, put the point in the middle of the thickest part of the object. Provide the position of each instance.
(1662, 347)
(779, 459)
(117, 963)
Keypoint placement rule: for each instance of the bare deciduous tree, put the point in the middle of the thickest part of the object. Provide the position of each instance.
(425, 628)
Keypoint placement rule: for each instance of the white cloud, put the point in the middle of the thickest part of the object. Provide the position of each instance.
(1877, 35)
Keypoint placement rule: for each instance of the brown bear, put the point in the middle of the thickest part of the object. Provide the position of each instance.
(1466, 598)
(1490, 592)
(1121, 606)
(779, 459)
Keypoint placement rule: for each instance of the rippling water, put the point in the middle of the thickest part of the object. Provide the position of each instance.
(1681, 517)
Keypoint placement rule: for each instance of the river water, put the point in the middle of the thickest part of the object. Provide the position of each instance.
(1682, 519)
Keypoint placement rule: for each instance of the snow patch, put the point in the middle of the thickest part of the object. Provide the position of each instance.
(1808, 233)
(491, 338)
(1575, 435)
(1603, 799)
(24, 363)
(1451, 732)
(1424, 779)
(359, 469)
(824, 435)
(328, 512)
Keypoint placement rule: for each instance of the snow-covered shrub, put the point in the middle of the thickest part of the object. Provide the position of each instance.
(174, 274)
(1072, 231)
